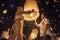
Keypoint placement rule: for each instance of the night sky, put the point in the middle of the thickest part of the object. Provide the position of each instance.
(50, 7)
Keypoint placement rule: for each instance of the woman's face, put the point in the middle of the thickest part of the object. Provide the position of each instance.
(19, 9)
(18, 14)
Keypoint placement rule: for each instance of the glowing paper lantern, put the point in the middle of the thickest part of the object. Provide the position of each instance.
(5, 34)
(34, 34)
(29, 5)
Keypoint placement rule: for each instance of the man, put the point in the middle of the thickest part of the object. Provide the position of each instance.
(17, 27)
(44, 27)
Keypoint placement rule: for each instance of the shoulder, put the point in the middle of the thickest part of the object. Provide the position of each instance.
(46, 21)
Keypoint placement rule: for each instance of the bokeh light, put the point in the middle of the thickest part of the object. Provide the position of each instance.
(2, 17)
(47, 2)
(55, 0)
(59, 15)
(5, 11)
(51, 29)
(12, 5)
(0, 21)
(2, 4)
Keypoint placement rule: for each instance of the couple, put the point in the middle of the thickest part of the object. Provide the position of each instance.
(44, 28)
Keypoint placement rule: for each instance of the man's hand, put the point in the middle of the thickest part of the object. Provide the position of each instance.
(33, 10)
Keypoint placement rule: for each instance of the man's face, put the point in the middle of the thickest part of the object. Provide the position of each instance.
(42, 16)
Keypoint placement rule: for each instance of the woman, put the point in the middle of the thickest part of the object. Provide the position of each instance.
(17, 28)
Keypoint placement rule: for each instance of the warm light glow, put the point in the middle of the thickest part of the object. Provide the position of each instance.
(5, 34)
(5, 11)
(58, 38)
(51, 29)
(29, 5)
(34, 34)
(31, 14)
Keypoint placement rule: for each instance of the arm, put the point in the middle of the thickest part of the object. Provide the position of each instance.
(36, 23)
(28, 12)
(46, 27)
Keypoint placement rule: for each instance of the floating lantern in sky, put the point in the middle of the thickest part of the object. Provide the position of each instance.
(5, 11)
(29, 5)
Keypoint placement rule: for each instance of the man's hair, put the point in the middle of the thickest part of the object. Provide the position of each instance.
(43, 13)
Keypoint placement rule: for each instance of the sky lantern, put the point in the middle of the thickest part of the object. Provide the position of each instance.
(29, 5)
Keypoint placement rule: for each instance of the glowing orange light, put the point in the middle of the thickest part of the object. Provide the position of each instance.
(5, 34)
(5, 11)
(29, 5)
(51, 29)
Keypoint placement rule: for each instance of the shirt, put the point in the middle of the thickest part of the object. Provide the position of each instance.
(41, 25)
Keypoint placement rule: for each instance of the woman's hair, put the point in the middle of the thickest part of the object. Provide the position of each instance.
(18, 12)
